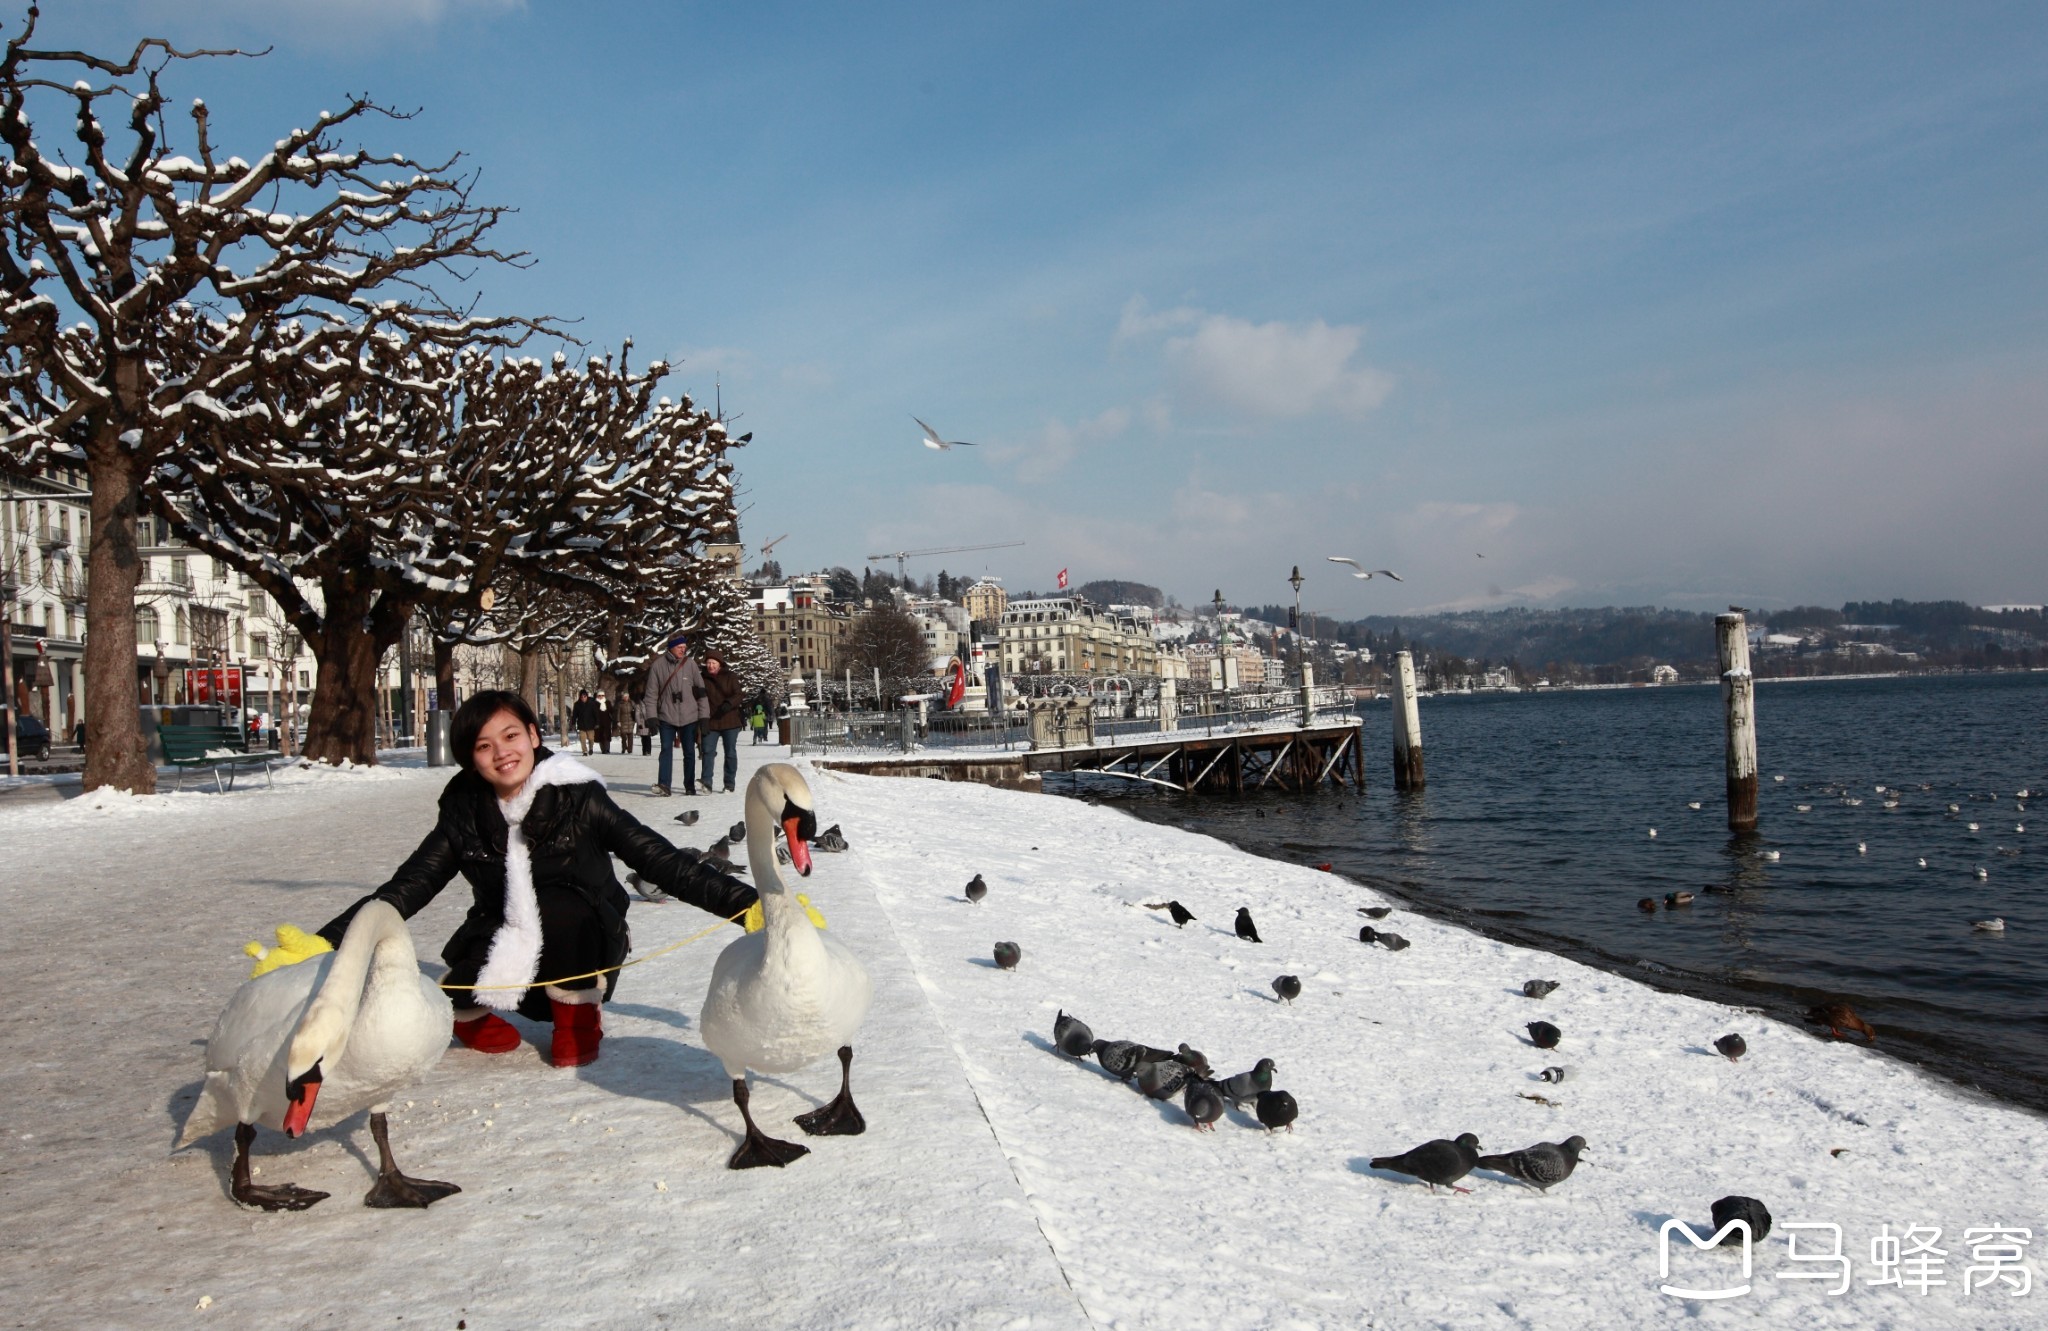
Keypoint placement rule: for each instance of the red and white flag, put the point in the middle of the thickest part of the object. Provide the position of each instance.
(1063, 579)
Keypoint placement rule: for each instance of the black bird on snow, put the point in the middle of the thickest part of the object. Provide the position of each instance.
(1203, 1102)
(1245, 928)
(1163, 1079)
(1375, 912)
(976, 889)
(1008, 955)
(1538, 988)
(1544, 1035)
(1181, 914)
(1276, 1109)
(735, 834)
(1120, 1058)
(1392, 942)
(1368, 934)
(1197, 1062)
(1732, 1046)
(1743, 1208)
(1435, 1162)
(1072, 1036)
(1541, 1166)
(688, 818)
(1288, 987)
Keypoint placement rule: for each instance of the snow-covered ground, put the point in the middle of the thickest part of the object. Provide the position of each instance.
(998, 1184)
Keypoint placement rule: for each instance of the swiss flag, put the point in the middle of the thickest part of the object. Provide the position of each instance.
(1063, 579)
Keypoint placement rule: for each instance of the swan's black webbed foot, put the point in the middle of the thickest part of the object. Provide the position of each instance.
(840, 1117)
(268, 1196)
(758, 1148)
(393, 1189)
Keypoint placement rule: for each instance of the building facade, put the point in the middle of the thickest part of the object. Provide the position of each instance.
(45, 526)
(801, 625)
(986, 600)
(1072, 635)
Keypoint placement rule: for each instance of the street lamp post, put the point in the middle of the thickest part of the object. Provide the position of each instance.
(1295, 580)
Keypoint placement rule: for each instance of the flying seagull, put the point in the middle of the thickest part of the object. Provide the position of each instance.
(1363, 571)
(932, 440)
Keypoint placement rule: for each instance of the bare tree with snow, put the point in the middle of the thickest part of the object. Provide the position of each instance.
(301, 253)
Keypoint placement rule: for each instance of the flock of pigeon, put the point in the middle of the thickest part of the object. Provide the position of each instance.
(1161, 1074)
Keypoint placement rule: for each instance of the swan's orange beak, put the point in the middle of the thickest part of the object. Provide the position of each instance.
(300, 1095)
(799, 849)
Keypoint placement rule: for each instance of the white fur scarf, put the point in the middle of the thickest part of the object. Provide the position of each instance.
(515, 949)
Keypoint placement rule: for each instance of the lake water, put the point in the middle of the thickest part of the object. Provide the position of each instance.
(1535, 824)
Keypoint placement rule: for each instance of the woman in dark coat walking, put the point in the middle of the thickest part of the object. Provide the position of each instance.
(721, 718)
(534, 833)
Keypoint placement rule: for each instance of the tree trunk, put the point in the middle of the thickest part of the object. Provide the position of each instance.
(529, 679)
(343, 722)
(444, 675)
(115, 753)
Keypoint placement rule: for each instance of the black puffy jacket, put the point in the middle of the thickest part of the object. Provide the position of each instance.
(572, 833)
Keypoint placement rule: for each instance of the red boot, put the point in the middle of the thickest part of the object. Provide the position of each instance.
(488, 1034)
(578, 1031)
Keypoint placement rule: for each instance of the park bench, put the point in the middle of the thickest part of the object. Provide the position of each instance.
(217, 748)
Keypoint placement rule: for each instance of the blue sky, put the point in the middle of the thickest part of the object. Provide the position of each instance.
(1646, 304)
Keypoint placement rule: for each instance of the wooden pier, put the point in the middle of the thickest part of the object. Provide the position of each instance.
(1296, 759)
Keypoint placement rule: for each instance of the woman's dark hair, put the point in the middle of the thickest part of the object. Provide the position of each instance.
(476, 713)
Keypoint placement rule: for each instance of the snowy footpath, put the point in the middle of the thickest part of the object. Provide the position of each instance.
(999, 1184)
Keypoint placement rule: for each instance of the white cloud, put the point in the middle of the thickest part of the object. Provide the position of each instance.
(1286, 370)
(1057, 444)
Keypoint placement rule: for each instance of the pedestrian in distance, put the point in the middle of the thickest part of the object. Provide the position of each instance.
(674, 703)
(721, 721)
(759, 722)
(583, 716)
(604, 725)
(535, 832)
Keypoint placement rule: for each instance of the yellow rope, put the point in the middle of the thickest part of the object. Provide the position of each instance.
(607, 970)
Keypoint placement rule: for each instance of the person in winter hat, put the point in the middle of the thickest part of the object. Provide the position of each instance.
(534, 833)
(674, 702)
(722, 719)
(583, 716)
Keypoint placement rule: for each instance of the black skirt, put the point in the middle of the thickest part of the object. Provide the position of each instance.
(572, 943)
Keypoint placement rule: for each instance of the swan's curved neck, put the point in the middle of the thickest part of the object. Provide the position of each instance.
(774, 893)
(377, 935)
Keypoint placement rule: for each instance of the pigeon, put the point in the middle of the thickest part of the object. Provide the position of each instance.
(1375, 912)
(1368, 934)
(1538, 988)
(1361, 571)
(1276, 1109)
(1648, 904)
(1072, 1036)
(1289, 986)
(1544, 1035)
(1837, 1016)
(1743, 1208)
(1392, 942)
(1542, 1166)
(1247, 1086)
(647, 890)
(1120, 1058)
(831, 839)
(976, 889)
(735, 834)
(932, 440)
(1994, 925)
(1555, 1076)
(1161, 1080)
(1203, 1102)
(1181, 914)
(1673, 900)
(719, 851)
(1245, 928)
(1196, 1061)
(1436, 1162)
(1732, 1046)
(1008, 955)
(688, 818)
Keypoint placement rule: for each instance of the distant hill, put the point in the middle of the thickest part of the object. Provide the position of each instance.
(1116, 591)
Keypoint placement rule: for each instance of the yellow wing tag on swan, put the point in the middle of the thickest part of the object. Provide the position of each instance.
(293, 945)
(755, 922)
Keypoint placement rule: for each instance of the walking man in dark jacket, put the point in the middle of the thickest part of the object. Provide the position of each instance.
(583, 716)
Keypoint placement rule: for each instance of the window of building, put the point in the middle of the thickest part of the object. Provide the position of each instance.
(259, 645)
(147, 629)
(181, 635)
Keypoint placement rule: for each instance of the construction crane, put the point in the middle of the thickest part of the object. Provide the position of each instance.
(769, 548)
(900, 555)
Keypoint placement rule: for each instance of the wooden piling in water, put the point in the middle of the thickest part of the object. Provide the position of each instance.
(1407, 725)
(1738, 703)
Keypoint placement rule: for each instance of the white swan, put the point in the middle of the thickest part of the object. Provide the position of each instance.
(784, 997)
(349, 1028)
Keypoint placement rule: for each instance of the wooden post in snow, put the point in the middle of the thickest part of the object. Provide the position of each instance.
(1407, 725)
(1738, 701)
